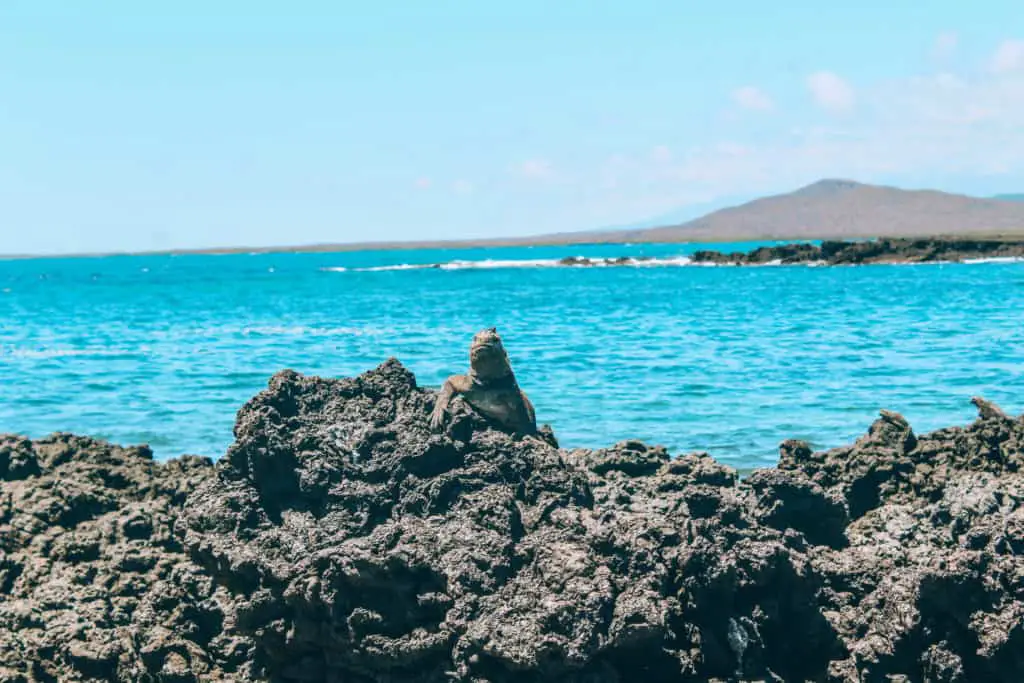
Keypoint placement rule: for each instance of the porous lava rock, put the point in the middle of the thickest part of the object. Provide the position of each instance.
(94, 584)
(341, 539)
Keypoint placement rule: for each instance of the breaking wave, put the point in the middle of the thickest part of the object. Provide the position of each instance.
(675, 261)
(996, 259)
(495, 264)
(571, 262)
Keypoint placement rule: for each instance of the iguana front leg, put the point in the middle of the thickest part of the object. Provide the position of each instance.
(531, 415)
(453, 386)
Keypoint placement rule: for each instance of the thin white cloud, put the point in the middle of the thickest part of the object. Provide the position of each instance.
(661, 154)
(753, 98)
(949, 81)
(830, 91)
(732, 149)
(1009, 57)
(422, 183)
(945, 45)
(913, 130)
(535, 169)
(946, 100)
(462, 187)
(614, 171)
(937, 125)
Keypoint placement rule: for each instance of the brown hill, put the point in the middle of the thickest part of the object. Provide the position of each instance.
(835, 209)
(827, 209)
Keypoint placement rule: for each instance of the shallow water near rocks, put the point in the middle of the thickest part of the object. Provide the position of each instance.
(732, 360)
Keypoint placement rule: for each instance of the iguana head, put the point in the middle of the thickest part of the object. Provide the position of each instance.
(487, 357)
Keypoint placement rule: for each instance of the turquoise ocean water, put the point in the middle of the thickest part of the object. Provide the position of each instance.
(164, 349)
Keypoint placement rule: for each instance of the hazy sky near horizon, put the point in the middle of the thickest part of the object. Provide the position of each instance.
(127, 125)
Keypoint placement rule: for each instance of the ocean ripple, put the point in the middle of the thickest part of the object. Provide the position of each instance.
(722, 359)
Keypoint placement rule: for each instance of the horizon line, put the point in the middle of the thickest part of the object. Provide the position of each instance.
(596, 236)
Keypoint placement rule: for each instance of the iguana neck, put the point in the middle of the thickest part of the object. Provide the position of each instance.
(507, 378)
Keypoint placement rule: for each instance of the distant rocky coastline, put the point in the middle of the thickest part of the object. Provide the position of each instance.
(836, 253)
(341, 539)
(882, 251)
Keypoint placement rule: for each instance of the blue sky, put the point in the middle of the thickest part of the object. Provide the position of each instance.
(125, 127)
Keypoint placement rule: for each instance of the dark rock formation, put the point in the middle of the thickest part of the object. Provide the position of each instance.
(341, 540)
(932, 583)
(786, 254)
(94, 585)
(874, 251)
(611, 261)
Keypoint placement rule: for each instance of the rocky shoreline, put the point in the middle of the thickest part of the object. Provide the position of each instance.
(836, 253)
(339, 539)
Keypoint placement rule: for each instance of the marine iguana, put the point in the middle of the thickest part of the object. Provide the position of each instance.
(489, 387)
(988, 410)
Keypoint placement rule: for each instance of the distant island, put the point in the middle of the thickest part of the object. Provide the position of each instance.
(826, 210)
(843, 209)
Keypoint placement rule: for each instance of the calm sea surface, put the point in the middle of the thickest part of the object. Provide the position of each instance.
(163, 350)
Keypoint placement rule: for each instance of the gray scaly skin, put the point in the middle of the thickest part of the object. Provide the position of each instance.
(489, 387)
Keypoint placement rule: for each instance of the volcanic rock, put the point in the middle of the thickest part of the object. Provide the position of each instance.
(94, 585)
(885, 250)
(340, 539)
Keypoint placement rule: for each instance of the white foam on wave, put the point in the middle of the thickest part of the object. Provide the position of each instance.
(489, 264)
(946, 262)
(399, 266)
(597, 262)
(767, 264)
(450, 265)
(906, 263)
(493, 264)
(995, 259)
(662, 262)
